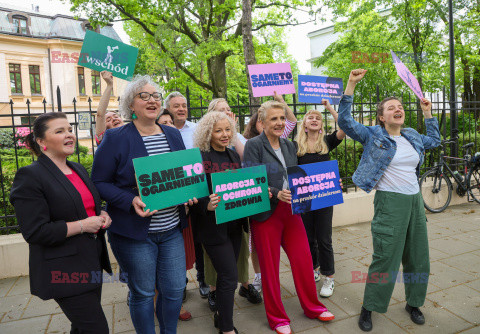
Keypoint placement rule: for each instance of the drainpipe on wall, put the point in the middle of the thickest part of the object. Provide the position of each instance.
(51, 82)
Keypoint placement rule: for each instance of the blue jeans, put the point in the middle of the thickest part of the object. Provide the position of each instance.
(156, 262)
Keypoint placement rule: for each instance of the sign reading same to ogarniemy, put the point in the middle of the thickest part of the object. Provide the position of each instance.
(102, 53)
(314, 186)
(243, 192)
(170, 179)
(268, 78)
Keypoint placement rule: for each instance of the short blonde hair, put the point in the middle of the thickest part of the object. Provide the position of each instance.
(203, 130)
(213, 104)
(266, 106)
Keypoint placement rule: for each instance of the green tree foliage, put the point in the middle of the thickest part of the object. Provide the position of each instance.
(192, 37)
(373, 28)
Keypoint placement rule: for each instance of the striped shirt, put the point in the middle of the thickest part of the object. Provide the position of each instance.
(168, 218)
(289, 126)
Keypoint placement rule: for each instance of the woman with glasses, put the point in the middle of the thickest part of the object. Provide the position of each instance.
(148, 244)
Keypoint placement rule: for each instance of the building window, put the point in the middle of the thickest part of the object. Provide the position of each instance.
(15, 79)
(34, 71)
(19, 24)
(27, 120)
(81, 80)
(96, 83)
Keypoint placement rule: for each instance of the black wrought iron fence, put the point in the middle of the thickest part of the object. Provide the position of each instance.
(14, 155)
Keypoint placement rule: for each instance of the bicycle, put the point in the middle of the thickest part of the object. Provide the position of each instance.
(436, 186)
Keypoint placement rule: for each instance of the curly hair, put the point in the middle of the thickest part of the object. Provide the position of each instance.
(133, 88)
(301, 139)
(203, 130)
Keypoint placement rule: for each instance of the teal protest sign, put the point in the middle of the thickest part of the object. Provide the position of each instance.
(170, 179)
(102, 53)
(243, 192)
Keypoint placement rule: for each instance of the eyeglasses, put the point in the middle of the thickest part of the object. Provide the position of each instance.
(146, 96)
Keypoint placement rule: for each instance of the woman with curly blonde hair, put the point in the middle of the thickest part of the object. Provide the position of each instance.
(313, 145)
(222, 242)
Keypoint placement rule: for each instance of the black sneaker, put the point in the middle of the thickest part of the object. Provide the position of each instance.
(212, 300)
(252, 295)
(203, 288)
(415, 314)
(365, 320)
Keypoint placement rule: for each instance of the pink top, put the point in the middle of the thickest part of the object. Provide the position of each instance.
(289, 126)
(87, 198)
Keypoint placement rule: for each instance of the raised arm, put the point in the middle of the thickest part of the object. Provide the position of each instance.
(291, 120)
(103, 104)
(432, 138)
(346, 122)
(340, 133)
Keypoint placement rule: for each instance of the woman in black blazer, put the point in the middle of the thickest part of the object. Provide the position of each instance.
(58, 210)
(222, 242)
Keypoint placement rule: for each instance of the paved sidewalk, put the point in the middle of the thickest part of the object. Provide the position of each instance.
(452, 306)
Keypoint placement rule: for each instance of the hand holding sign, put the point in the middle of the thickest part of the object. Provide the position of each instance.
(213, 204)
(139, 206)
(285, 195)
(426, 106)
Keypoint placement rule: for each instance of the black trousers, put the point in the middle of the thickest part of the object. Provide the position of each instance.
(224, 259)
(85, 312)
(318, 225)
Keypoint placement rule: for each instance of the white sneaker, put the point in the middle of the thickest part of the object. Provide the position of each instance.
(257, 283)
(327, 288)
(316, 275)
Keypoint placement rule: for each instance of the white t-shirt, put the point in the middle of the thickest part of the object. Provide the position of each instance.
(400, 176)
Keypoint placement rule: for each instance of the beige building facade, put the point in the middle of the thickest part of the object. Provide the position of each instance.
(39, 53)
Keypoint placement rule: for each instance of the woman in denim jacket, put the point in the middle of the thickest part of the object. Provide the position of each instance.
(390, 164)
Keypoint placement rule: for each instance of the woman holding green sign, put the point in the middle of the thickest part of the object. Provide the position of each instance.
(213, 134)
(148, 245)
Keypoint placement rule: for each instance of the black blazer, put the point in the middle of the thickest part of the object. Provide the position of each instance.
(44, 200)
(258, 151)
(204, 223)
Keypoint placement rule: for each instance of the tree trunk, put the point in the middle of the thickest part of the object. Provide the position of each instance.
(476, 91)
(248, 48)
(216, 66)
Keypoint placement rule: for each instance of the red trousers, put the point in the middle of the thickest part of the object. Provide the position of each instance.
(286, 230)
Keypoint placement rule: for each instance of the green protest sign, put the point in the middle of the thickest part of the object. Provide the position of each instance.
(102, 53)
(243, 192)
(170, 179)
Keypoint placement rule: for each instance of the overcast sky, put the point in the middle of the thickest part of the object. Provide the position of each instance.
(297, 40)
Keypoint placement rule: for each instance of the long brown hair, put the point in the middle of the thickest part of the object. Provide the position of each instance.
(251, 128)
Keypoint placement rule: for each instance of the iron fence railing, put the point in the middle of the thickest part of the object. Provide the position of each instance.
(347, 153)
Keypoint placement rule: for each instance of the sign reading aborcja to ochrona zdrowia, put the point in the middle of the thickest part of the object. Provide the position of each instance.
(170, 179)
(243, 192)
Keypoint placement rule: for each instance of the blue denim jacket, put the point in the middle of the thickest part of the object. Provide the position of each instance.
(378, 148)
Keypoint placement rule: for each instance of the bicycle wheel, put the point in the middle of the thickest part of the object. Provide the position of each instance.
(473, 183)
(436, 190)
